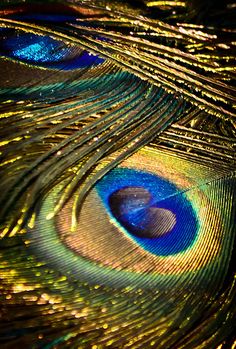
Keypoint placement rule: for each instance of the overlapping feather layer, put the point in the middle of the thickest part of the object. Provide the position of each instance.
(108, 242)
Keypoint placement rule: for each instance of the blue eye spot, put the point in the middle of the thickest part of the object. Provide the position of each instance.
(132, 207)
(35, 48)
(45, 51)
(45, 17)
(154, 212)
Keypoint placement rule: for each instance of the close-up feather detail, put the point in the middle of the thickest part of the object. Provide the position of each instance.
(118, 174)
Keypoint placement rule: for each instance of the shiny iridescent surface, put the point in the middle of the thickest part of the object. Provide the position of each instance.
(118, 188)
(165, 204)
(42, 50)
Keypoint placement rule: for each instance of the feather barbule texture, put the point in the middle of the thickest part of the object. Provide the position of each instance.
(118, 188)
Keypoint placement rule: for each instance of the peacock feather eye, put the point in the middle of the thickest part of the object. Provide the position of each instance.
(169, 225)
(117, 174)
(150, 209)
(44, 51)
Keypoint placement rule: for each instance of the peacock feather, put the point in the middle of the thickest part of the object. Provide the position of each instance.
(118, 187)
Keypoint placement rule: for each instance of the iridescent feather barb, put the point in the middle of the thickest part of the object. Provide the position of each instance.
(118, 136)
